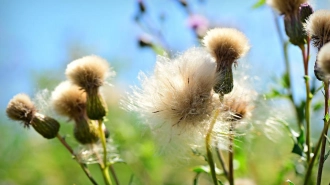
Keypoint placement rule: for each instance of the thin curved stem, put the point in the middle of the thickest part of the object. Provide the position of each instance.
(324, 132)
(104, 167)
(208, 148)
(288, 71)
(113, 173)
(83, 166)
(308, 100)
(231, 156)
(313, 159)
(222, 162)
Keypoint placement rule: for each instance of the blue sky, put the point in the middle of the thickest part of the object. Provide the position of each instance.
(35, 37)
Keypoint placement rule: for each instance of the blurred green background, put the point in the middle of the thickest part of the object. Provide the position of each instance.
(38, 39)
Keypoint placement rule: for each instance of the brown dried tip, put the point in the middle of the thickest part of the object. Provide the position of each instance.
(88, 72)
(226, 44)
(239, 104)
(69, 100)
(21, 108)
(323, 59)
(286, 6)
(318, 27)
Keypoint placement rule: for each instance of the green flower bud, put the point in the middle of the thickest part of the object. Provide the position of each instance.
(95, 106)
(45, 126)
(86, 132)
(225, 82)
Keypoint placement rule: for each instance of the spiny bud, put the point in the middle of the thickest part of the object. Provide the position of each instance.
(226, 45)
(323, 59)
(86, 132)
(294, 24)
(21, 108)
(89, 73)
(295, 13)
(305, 10)
(46, 126)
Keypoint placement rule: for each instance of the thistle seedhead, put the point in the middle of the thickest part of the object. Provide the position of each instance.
(88, 72)
(226, 45)
(323, 59)
(69, 100)
(21, 108)
(286, 7)
(318, 28)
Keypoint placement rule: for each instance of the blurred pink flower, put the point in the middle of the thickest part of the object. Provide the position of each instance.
(197, 22)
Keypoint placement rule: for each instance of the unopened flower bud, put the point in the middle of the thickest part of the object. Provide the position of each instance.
(294, 29)
(45, 126)
(294, 24)
(305, 10)
(86, 132)
(142, 8)
(95, 106)
(144, 41)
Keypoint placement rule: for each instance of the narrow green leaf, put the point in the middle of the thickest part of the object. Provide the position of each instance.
(220, 182)
(318, 106)
(328, 139)
(284, 81)
(200, 169)
(297, 149)
(259, 4)
(326, 155)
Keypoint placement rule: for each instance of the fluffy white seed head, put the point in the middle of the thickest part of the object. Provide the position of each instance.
(318, 27)
(323, 59)
(177, 99)
(226, 44)
(69, 100)
(286, 6)
(88, 72)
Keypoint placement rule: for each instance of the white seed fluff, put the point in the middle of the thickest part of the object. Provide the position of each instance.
(176, 101)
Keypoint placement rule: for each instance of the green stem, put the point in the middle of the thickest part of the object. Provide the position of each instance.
(222, 162)
(112, 170)
(311, 163)
(196, 178)
(208, 148)
(308, 101)
(83, 167)
(324, 132)
(231, 156)
(285, 45)
(104, 167)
